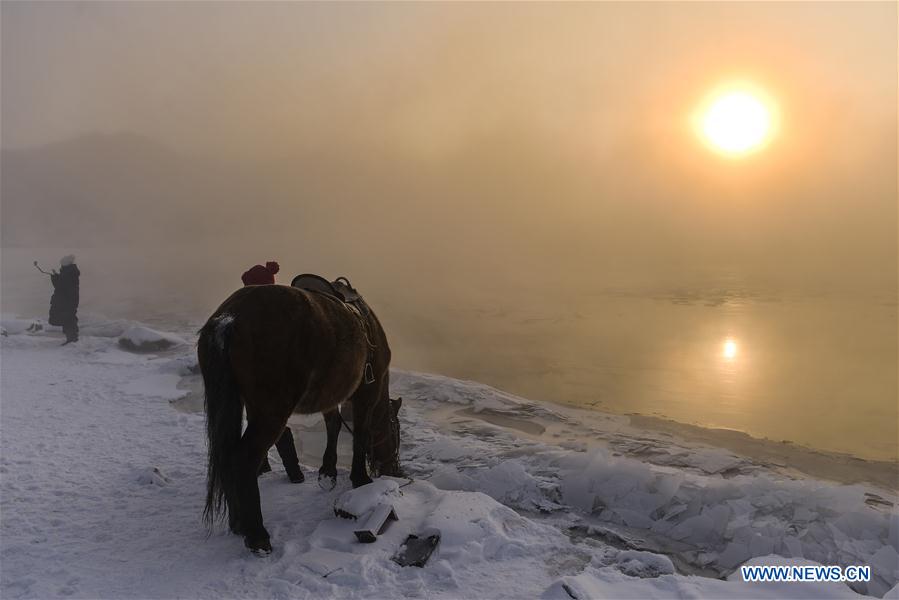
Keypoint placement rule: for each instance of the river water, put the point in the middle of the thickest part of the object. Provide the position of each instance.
(817, 370)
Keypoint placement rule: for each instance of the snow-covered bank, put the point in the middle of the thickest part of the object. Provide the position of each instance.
(103, 484)
(597, 477)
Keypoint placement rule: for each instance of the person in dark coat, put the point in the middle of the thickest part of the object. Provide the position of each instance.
(64, 301)
(265, 275)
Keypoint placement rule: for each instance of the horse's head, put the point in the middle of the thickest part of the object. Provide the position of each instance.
(384, 455)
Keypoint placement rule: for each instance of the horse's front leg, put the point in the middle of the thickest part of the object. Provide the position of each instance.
(327, 475)
(361, 404)
(287, 450)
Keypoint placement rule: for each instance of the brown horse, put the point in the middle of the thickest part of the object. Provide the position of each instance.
(274, 350)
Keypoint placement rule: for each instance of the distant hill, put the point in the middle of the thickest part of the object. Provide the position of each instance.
(98, 189)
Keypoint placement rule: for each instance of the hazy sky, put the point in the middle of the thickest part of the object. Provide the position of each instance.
(511, 137)
(430, 76)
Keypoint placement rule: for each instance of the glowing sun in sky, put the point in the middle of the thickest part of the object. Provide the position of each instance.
(736, 121)
(729, 351)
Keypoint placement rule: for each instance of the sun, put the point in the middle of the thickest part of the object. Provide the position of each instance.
(729, 350)
(736, 121)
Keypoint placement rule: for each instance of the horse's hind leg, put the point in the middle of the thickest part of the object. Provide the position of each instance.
(257, 439)
(327, 475)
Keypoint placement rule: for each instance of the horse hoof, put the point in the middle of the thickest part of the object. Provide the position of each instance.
(261, 547)
(327, 482)
(397, 472)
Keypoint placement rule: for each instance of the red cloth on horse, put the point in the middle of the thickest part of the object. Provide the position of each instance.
(259, 275)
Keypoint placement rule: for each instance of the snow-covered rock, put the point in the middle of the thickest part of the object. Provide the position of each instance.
(151, 476)
(354, 504)
(144, 339)
(14, 326)
(99, 327)
(185, 366)
(643, 564)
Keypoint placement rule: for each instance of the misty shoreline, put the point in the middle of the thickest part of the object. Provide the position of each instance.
(783, 455)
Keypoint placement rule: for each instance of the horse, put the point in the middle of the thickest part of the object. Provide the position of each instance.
(274, 350)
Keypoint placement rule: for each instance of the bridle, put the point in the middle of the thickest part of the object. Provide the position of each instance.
(391, 432)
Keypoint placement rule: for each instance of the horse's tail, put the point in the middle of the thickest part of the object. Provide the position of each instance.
(224, 413)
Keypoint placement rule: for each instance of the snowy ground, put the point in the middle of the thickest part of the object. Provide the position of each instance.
(102, 478)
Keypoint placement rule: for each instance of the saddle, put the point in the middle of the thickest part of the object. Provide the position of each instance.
(341, 290)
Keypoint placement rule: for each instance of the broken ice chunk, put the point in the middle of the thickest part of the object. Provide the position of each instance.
(733, 555)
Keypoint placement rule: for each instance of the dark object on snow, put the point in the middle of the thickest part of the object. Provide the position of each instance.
(274, 350)
(376, 523)
(288, 453)
(261, 275)
(416, 551)
(64, 301)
